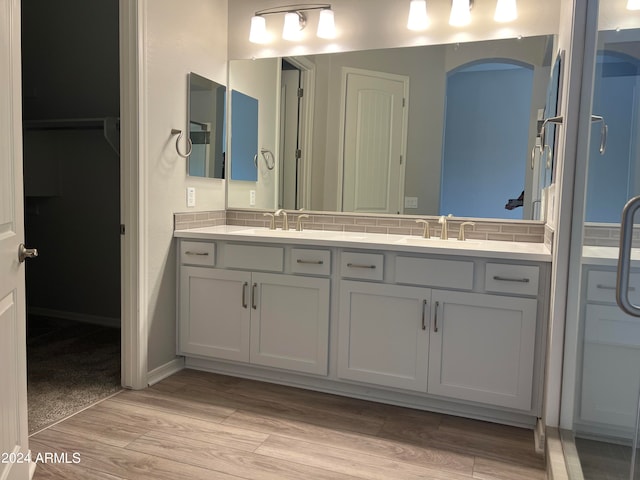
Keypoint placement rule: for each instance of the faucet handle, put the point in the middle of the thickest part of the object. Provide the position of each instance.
(299, 221)
(461, 236)
(426, 233)
(272, 222)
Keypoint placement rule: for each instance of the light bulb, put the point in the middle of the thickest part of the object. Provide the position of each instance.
(292, 26)
(633, 5)
(258, 33)
(326, 24)
(506, 11)
(418, 18)
(460, 13)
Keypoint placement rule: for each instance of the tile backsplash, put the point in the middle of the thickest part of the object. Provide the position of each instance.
(607, 235)
(511, 231)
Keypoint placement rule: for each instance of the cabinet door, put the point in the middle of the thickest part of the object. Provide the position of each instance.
(290, 322)
(482, 348)
(383, 334)
(610, 359)
(214, 313)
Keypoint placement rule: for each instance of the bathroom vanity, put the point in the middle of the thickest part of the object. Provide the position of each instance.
(443, 325)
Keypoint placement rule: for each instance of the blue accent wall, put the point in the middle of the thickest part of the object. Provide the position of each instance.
(485, 140)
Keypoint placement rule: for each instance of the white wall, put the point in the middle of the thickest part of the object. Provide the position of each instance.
(259, 79)
(177, 40)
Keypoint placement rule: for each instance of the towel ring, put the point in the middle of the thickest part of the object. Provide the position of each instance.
(180, 133)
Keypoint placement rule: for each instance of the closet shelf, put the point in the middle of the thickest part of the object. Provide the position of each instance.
(109, 125)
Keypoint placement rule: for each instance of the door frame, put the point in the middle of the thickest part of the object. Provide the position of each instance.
(305, 125)
(346, 71)
(133, 194)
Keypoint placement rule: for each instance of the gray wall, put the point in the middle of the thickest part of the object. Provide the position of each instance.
(70, 70)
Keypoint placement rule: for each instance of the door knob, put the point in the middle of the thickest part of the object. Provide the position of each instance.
(24, 253)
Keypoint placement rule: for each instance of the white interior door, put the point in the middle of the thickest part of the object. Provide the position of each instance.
(374, 142)
(13, 372)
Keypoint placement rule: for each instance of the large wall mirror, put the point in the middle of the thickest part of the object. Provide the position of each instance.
(207, 132)
(425, 130)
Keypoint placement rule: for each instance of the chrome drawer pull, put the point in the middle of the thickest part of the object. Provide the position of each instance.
(435, 319)
(608, 287)
(244, 294)
(355, 265)
(253, 296)
(510, 279)
(424, 307)
(199, 254)
(310, 262)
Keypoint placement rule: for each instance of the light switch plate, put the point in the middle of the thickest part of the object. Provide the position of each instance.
(191, 197)
(410, 202)
(252, 198)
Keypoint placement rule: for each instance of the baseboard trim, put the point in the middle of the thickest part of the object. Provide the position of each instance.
(75, 316)
(556, 465)
(163, 371)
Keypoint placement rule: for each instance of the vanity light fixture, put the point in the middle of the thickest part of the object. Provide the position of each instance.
(460, 13)
(506, 11)
(633, 5)
(418, 18)
(294, 22)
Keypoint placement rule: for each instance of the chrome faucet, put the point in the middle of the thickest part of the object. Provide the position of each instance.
(299, 221)
(426, 232)
(285, 221)
(461, 235)
(272, 220)
(444, 233)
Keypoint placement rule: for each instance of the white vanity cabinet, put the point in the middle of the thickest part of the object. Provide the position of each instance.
(383, 336)
(453, 331)
(270, 319)
(610, 354)
(482, 348)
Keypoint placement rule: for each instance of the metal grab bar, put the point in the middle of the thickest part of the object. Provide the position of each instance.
(624, 258)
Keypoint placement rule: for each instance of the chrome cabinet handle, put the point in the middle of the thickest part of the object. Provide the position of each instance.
(253, 296)
(609, 287)
(309, 262)
(244, 294)
(424, 307)
(435, 319)
(355, 265)
(199, 254)
(510, 279)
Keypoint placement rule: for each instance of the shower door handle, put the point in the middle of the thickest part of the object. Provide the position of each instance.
(624, 258)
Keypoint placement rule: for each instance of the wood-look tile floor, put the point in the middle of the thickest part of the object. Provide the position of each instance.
(197, 425)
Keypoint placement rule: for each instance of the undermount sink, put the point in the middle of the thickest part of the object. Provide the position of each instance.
(435, 241)
(266, 232)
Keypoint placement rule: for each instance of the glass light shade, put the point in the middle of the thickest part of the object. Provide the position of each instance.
(326, 24)
(506, 11)
(418, 19)
(292, 27)
(258, 33)
(633, 5)
(460, 13)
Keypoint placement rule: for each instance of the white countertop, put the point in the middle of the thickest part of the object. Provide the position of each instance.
(374, 241)
(592, 255)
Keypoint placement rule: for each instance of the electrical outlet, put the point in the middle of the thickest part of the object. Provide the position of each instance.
(191, 197)
(410, 202)
(252, 198)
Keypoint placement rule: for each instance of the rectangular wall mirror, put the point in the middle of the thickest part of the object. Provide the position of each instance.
(207, 131)
(446, 154)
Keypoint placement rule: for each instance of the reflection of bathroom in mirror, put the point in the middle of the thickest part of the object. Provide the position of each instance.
(613, 177)
(441, 162)
(207, 130)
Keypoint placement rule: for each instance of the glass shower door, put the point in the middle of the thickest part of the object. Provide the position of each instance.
(607, 385)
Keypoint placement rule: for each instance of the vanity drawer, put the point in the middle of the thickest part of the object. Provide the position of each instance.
(368, 266)
(197, 253)
(312, 262)
(601, 287)
(434, 273)
(254, 257)
(505, 278)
